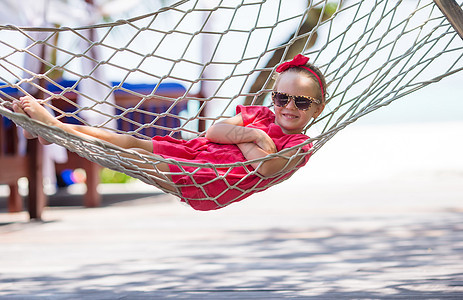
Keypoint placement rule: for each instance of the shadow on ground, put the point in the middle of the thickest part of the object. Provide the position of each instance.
(420, 260)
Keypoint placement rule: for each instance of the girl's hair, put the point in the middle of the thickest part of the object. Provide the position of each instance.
(316, 70)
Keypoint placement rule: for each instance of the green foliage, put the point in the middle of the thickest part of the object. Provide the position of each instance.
(110, 176)
(331, 8)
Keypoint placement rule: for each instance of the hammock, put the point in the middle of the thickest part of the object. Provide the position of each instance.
(223, 54)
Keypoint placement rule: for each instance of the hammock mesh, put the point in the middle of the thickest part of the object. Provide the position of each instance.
(215, 55)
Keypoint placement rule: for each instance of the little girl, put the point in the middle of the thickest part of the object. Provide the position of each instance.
(254, 132)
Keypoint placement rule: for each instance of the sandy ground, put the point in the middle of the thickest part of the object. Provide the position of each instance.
(376, 214)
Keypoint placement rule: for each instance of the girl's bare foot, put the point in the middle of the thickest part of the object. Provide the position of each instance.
(37, 112)
(17, 108)
(31, 107)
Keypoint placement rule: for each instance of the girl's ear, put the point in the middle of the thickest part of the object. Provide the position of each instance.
(318, 110)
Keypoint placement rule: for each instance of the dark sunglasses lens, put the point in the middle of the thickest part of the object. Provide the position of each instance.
(280, 99)
(302, 103)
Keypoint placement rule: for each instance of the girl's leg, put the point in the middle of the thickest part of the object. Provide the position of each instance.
(122, 140)
(31, 107)
(35, 110)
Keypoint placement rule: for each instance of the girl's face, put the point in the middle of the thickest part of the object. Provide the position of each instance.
(290, 118)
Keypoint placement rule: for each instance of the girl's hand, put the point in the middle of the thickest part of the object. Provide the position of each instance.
(265, 142)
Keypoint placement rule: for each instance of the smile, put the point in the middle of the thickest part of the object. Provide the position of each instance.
(290, 116)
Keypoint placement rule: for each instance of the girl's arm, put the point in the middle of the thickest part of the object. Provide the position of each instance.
(253, 143)
(269, 167)
(232, 131)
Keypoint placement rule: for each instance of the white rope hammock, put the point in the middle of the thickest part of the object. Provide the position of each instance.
(223, 53)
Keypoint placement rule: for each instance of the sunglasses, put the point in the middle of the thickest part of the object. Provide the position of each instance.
(302, 102)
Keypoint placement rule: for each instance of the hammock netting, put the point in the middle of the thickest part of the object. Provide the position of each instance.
(198, 60)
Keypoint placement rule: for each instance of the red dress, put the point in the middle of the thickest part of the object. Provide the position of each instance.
(204, 188)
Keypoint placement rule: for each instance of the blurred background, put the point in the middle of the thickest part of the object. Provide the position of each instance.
(418, 136)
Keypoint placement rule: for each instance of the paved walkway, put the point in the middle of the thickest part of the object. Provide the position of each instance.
(381, 218)
(390, 239)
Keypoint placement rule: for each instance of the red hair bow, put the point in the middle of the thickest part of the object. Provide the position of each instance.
(298, 61)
